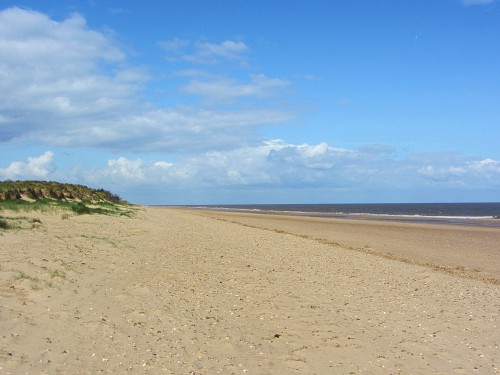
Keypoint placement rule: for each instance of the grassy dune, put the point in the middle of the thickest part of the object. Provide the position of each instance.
(26, 196)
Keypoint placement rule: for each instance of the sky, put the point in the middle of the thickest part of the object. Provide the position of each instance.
(247, 102)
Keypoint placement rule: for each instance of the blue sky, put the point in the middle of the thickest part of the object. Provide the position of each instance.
(235, 101)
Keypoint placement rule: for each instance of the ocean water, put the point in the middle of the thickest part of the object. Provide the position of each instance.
(483, 214)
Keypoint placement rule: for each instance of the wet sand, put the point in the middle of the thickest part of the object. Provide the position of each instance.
(175, 291)
(472, 251)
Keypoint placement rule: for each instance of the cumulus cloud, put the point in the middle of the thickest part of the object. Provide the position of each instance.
(36, 167)
(52, 75)
(64, 84)
(137, 171)
(274, 165)
(471, 173)
(279, 164)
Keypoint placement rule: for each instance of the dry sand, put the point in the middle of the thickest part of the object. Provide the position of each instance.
(175, 291)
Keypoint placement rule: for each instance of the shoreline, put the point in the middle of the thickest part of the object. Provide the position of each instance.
(463, 250)
(483, 221)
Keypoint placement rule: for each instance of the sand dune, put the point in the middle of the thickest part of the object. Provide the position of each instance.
(177, 292)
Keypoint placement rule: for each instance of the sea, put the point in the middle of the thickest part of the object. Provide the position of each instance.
(479, 214)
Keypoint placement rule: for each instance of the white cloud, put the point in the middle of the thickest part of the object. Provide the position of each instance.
(204, 52)
(136, 172)
(188, 130)
(175, 45)
(64, 84)
(126, 170)
(277, 164)
(477, 2)
(182, 129)
(227, 90)
(485, 165)
(229, 50)
(52, 78)
(274, 165)
(468, 173)
(36, 167)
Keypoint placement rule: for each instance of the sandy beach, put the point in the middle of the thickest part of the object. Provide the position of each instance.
(178, 291)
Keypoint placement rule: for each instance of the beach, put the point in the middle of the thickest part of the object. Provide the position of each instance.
(185, 291)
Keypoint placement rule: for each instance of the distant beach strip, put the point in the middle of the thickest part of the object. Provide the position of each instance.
(480, 214)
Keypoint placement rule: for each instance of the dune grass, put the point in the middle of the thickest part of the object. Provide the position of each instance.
(78, 207)
(54, 197)
(18, 222)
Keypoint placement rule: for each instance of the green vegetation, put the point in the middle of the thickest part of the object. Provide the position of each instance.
(53, 197)
(58, 273)
(35, 190)
(41, 278)
(24, 276)
(18, 222)
(4, 224)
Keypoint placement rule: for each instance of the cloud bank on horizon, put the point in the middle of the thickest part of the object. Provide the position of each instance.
(81, 111)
